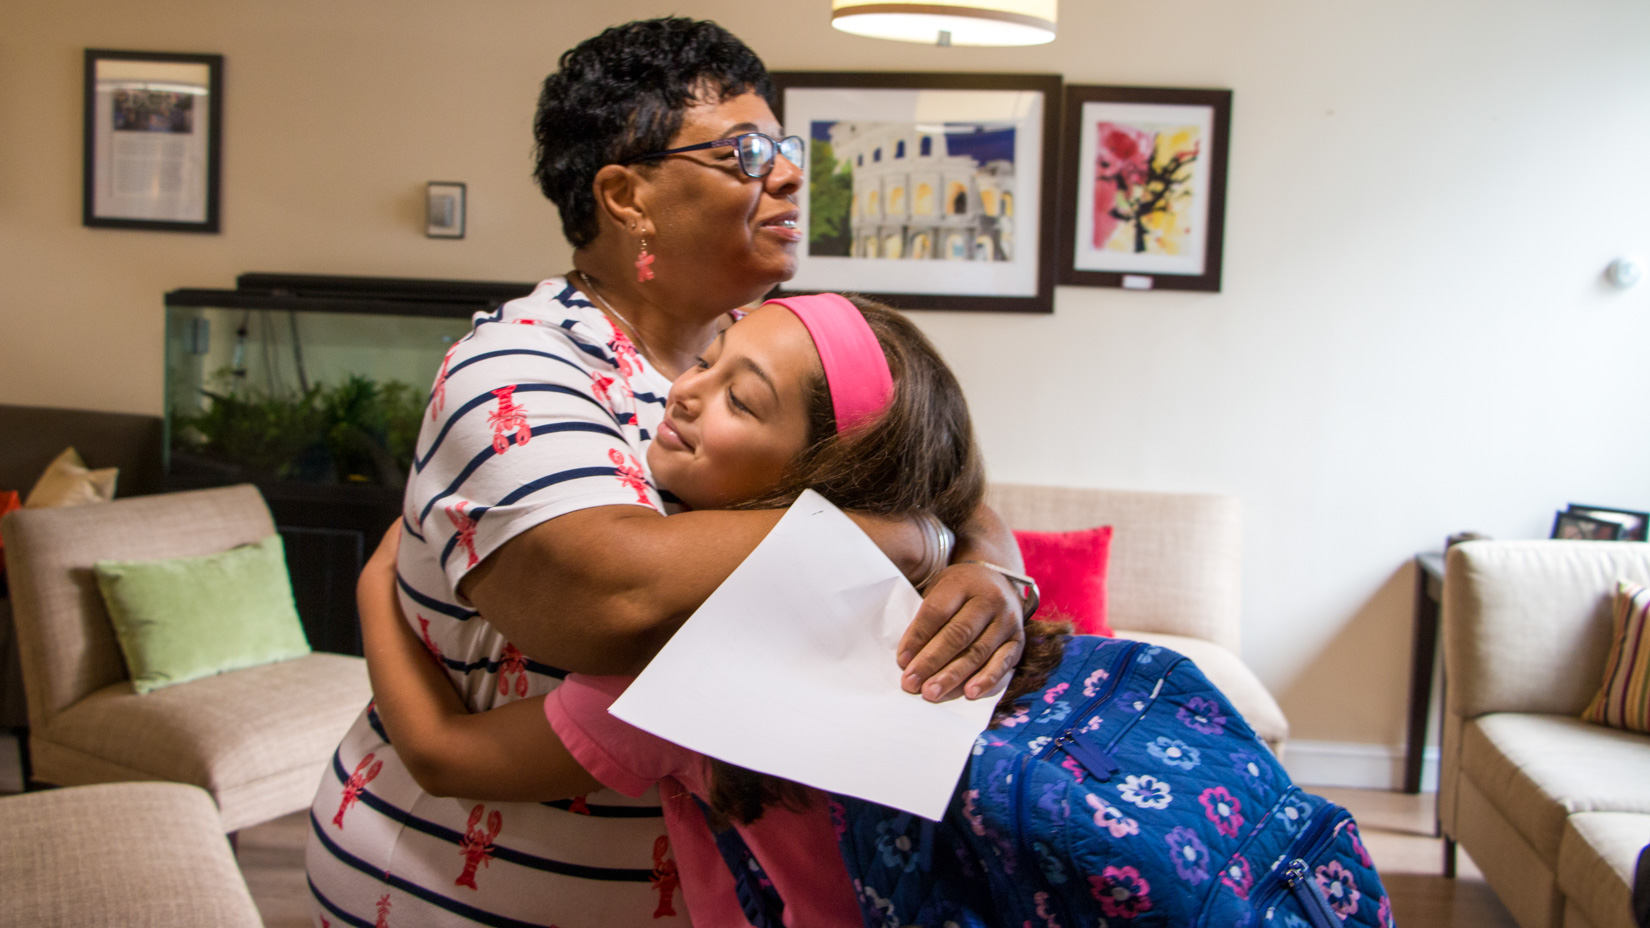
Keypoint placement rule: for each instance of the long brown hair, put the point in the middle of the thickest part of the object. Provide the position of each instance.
(919, 456)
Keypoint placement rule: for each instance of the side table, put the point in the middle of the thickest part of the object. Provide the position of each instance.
(1429, 594)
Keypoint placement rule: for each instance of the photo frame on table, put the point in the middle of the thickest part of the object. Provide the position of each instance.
(926, 191)
(1635, 526)
(1573, 526)
(153, 140)
(1143, 187)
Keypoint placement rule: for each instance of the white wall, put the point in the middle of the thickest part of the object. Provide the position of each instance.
(1413, 336)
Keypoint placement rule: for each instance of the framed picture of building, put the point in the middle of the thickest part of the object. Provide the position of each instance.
(153, 140)
(1143, 187)
(926, 191)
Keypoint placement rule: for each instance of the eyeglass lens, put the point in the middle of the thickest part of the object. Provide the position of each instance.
(756, 152)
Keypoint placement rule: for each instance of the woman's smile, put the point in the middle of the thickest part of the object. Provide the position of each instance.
(784, 226)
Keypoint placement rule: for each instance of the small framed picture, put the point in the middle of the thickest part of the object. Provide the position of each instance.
(444, 209)
(1143, 187)
(1635, 526)
(1573, 526)
(153, 140)
(927, 191)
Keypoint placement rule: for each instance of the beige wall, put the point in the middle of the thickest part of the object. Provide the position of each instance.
(1413, 337)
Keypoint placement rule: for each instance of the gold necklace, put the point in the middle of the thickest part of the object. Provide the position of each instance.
(636, 334)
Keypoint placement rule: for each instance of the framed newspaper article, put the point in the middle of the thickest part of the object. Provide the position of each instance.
(154, 130)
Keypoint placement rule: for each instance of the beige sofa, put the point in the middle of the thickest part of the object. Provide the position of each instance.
(1553, 810)
(1174, 577)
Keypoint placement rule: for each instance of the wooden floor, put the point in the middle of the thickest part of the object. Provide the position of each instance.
(1397, 829)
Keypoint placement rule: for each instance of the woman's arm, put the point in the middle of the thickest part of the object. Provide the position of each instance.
(507, 754)
(970, 628)
(600, 590)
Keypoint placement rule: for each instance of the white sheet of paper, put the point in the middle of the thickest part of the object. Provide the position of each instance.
(788, 669)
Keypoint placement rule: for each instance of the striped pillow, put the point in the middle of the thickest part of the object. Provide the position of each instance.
(1624, 700)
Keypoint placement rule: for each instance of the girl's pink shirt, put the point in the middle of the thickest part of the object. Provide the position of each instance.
(798, 850)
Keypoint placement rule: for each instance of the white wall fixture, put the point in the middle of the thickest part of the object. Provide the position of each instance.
(444, 209)
(949, 22)
(1625, 271)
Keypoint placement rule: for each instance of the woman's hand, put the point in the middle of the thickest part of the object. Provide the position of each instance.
(969, 634)
(969, 630)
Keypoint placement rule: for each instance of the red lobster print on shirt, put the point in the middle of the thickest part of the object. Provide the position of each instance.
(630, 474)
(512, 663)
(356, 785)
(607, 393)
(477, 845)
(438, 394)
(509, 418)
(664, 878)
(625, 354)
(429, 643)
(466, 530)
(383, 912)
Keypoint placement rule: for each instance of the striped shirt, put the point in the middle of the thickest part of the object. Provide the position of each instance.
(545, 408)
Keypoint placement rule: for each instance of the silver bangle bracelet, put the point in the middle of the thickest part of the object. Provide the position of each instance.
(937, 542)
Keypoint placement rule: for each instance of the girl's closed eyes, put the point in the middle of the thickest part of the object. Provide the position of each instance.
(735, 420)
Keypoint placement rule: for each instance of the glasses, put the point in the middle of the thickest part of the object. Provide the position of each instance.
(756, 151)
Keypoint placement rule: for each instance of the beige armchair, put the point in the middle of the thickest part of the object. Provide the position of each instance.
(256, 739)
(1175, 577)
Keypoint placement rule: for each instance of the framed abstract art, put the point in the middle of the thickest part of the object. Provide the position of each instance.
(927, 191)
(1143, 187)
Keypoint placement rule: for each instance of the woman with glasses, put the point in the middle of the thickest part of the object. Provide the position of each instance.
(534, 543)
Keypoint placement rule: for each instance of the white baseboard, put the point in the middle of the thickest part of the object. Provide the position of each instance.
(1354, 765)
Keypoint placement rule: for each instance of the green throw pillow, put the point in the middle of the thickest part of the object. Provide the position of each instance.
(191, 617)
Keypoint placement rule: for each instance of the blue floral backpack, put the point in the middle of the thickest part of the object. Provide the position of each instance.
(1126, 792)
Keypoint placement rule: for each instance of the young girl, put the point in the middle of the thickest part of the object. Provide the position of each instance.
(846, 398)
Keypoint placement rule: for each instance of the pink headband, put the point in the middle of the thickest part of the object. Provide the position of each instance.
(856, 370)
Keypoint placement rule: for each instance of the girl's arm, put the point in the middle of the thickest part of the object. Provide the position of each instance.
(507, 754)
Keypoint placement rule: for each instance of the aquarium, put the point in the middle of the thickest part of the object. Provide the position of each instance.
(304, 380)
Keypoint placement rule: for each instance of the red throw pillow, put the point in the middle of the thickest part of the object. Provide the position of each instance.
(8, 501)
(1070, 570)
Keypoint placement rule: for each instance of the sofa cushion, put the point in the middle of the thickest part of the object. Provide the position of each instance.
(221, 732)
(1624, 699)
(181, 619)
(1227, 671)
(67, 481)
(1070, 570)
(1596, 860)
(136, 854)
(1539, 769)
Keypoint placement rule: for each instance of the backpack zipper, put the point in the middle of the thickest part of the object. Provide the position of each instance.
(1299, 880)
(1295, 875)
(1022, 779)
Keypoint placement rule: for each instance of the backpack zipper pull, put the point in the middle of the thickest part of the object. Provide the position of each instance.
(1299, 880)
(1097, 762)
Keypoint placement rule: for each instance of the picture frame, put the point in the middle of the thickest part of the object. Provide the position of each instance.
(1573, 526)
(1635, 525)
(153, 124)
(444, 209)
(1156, 158)
(926, 190)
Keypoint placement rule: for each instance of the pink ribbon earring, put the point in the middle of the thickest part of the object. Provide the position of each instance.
(644, 262)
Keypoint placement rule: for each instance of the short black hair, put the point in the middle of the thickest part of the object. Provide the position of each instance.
(621, 94)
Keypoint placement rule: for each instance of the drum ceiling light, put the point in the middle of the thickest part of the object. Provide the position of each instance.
(949, 22)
